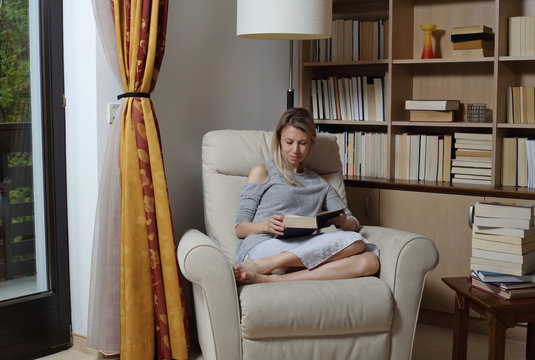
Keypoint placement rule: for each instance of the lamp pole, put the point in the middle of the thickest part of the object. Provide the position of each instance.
(290, 92)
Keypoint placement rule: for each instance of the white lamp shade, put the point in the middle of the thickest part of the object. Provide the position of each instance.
(284, 19)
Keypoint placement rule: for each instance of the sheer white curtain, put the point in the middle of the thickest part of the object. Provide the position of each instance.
(104, 323)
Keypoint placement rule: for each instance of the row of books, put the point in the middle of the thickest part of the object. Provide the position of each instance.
(521, 104)
(521, 36)
(363, 153)
(349, 98)
(422, 157)
(518, 161)
(352, 40)
(503, 250)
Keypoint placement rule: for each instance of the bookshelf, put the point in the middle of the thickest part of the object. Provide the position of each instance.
(471, 80)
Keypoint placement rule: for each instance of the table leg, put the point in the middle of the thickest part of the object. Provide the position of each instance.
(496, 338)
(530, 342)
(460, 328)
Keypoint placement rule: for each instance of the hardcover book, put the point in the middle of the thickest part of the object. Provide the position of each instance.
(305, 225)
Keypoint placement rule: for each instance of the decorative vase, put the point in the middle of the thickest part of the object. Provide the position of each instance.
(427, 53)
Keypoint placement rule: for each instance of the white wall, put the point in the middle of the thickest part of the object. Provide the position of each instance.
(210, 79)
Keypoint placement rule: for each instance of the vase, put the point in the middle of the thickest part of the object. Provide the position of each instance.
(427, 52)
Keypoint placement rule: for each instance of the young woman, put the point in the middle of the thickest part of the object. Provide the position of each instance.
(284, 186)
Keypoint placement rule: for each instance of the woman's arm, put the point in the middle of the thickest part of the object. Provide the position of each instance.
(272, 226)
(259, 174)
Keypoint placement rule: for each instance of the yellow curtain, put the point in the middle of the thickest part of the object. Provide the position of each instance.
(153, 317)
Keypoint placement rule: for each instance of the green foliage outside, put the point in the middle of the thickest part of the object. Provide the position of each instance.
(21, 195)
(14, 61)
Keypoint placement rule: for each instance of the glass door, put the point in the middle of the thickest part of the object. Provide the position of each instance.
(23, 269)
(34, 292)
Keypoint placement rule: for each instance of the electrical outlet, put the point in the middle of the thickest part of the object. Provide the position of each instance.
(112, 109)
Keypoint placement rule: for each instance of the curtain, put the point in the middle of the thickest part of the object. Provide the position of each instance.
(152, 312)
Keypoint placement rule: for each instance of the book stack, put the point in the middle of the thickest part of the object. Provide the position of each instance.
(503, 239)
(503, 286)
(521, 104)
(422, 157)
(472, 41)
(432, 110)
(472, 163)
(522, 36)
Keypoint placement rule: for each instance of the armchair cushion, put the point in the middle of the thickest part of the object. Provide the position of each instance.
(315, 308)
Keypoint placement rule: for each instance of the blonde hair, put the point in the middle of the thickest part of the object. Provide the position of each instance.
(301, 119)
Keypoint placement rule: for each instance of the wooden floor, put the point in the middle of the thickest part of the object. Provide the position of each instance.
(430, 343)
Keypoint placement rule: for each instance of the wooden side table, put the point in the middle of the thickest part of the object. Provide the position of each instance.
(499, 315)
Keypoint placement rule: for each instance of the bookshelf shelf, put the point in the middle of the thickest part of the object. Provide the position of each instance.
(516, 126)
(457, 124)
(352, 123)
(441, 60)
(349, 63)
(517, 58)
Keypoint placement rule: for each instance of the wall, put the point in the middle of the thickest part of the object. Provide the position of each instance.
(210, 79)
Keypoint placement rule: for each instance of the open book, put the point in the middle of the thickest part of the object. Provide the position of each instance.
(304, 225)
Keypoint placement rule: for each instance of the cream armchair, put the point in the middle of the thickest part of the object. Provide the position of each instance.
(365, 318)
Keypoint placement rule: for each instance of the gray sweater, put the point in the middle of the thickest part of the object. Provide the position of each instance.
(259, 201)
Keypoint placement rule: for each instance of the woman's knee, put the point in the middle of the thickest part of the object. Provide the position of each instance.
(357, 247)
(368, 264)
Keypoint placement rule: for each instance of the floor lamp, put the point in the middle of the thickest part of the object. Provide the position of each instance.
(285, 19)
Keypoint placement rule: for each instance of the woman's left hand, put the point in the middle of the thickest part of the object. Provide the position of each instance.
(342, 222)
(339, 220)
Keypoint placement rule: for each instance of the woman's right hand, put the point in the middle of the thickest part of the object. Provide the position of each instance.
(275, 225)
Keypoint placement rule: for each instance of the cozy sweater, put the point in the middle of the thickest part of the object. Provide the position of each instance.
(259, 201)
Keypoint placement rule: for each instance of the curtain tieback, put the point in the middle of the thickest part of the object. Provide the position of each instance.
(133, 94)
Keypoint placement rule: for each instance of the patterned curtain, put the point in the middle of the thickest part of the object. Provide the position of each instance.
(152, 304)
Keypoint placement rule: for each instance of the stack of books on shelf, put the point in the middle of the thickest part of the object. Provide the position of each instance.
(432, 110)
(352, 40)
(522, 36)
(472, 163)
(363, 154)
(472, 41)
(422, 157)
(503, 249)
(349, 98)
(521, 104)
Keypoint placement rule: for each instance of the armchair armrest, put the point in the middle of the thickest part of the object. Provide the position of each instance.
(406, 259)
(202, 262)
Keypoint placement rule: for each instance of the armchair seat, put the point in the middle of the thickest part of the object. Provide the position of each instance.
(315, 308)
(371, 318)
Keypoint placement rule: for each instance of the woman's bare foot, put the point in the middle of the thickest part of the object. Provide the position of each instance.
(252, 265)
(249, 277)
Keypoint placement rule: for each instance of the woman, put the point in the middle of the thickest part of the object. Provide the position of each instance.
(284, 186)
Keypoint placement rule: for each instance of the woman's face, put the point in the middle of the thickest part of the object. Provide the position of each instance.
(295, 146)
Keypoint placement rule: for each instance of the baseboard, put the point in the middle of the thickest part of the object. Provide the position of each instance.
(79, 343)
(476, 324)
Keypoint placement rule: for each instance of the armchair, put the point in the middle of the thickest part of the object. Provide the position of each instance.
(363, 318)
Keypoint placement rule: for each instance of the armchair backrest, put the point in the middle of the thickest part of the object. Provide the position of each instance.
(227, 158)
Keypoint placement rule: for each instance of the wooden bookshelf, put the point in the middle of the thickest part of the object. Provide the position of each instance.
(471, 80)
(438, 210)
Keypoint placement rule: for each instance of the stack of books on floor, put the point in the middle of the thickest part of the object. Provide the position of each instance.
(472, 41)
(472, 163)
(503, 250)
(432, 110)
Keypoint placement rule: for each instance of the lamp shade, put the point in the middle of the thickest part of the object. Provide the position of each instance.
(284, 19)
